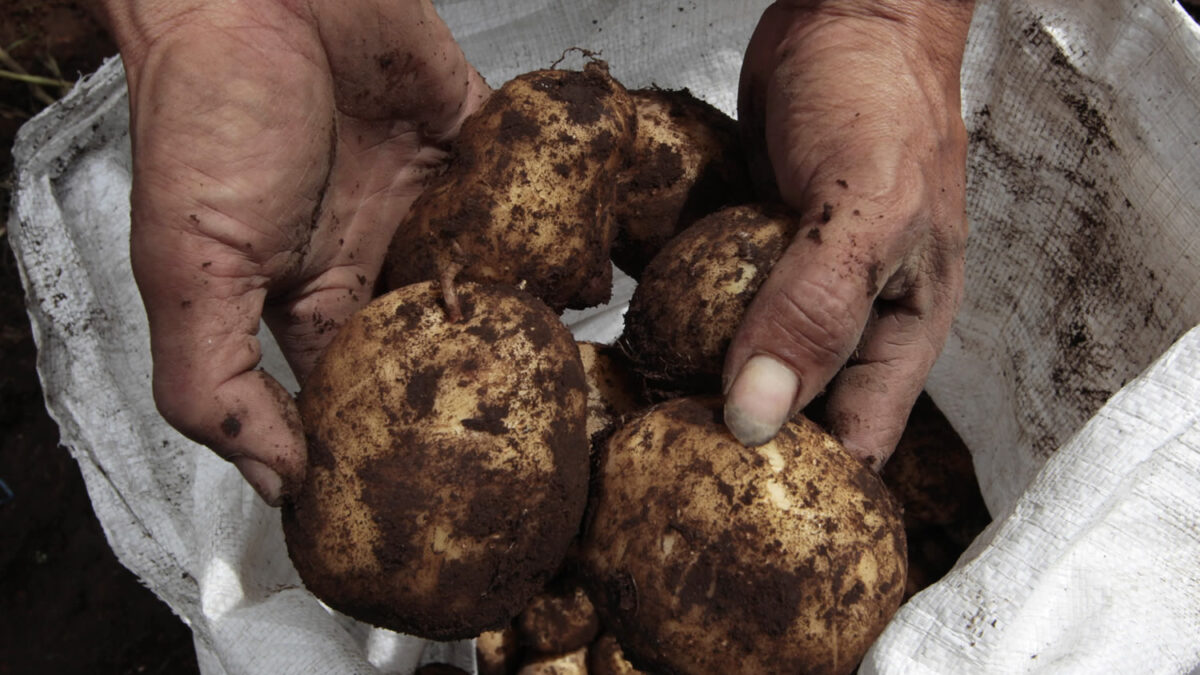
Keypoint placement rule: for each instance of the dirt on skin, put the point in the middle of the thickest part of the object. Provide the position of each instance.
(68, 605)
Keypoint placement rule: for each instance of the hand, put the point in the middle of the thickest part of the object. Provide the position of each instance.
(854, 109)
(276, 146)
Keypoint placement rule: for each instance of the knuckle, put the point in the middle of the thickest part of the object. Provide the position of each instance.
(904, 196)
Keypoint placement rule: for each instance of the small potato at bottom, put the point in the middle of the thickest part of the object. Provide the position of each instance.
(561, 619)
(705, 556)
(448, 461)
(574, 663)
(496, 651)
(606, 658)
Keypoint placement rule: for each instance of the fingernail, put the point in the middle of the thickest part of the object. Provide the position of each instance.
(262, 478)
(760, 400)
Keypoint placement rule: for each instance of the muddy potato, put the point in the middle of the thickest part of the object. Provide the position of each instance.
(687, 164)
(693, 295)
(614, 390)
(496, 651)
(558, 620)
(574, 663)
(933, 478)
(418, 430)
(705, 556)
(606, 658)
(527, 197)
(931, 472)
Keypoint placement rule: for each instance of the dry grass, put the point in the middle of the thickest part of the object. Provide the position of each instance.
(41, 91)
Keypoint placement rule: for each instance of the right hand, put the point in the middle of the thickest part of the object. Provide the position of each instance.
(855, 116)
(276, 147)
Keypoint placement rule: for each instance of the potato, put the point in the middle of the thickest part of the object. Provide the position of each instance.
(606, 658)
(574, 663)
(693, 295)
(496, 651)
(932, 476)
(561, 619)
(931, 472)
(687, 164)
(705, 556)
(614, 390)
(527, 198)
(448, 462)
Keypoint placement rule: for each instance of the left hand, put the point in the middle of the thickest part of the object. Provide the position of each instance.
(855, 109)
(277, 145)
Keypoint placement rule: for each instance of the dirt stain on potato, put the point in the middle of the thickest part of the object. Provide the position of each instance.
(517, 126)
(421, 392)
(490, 419)
(580, 91)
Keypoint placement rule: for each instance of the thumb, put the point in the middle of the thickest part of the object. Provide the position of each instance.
(204, 345)
(802, 326)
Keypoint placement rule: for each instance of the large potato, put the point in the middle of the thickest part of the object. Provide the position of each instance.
(692, 297)
(710, 557)
(527, 198)
(448, 461)
(687, 164)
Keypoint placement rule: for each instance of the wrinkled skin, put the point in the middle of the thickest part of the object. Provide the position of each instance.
(853, 110)
(276, 145)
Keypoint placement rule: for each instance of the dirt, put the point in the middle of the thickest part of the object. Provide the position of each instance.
(68, 605)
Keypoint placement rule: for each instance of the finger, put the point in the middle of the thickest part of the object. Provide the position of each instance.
(868, 403)
(802, 325)
(870, 400)
(204, 347)
(398, 60)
